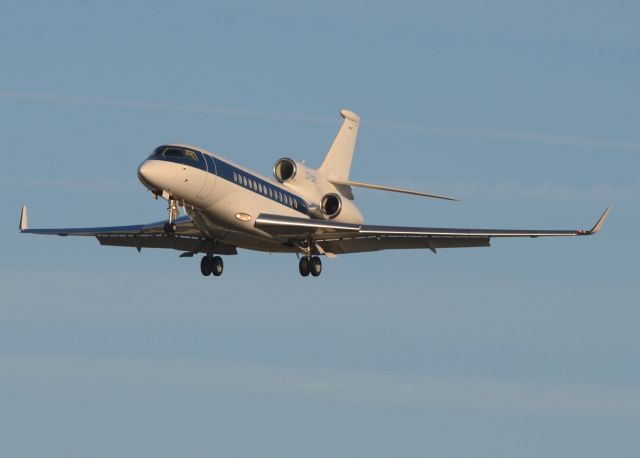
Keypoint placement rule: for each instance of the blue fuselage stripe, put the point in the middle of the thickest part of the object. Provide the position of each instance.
(228, 172)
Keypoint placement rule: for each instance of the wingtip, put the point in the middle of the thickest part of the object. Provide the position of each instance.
(600, 222)
(24, 223)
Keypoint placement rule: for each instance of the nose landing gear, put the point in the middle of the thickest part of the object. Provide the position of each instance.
(211, 265)
(170, 226)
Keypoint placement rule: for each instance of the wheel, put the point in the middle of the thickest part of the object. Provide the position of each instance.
(217, 266)
(315, 266)
(304, 266)
(170, 228)
(205, 266)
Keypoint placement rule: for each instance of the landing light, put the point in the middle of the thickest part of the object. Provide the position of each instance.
(243, 217)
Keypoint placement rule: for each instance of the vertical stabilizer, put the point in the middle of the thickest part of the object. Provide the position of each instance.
(337, 162)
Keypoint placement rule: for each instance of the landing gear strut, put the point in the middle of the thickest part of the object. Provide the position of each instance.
(310, 265)
(211, 265)
(170, 226)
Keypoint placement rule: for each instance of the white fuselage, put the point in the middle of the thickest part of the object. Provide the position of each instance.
(224, 199)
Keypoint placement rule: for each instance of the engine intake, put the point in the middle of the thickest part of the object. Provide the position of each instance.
(331, 205)
(285, 169)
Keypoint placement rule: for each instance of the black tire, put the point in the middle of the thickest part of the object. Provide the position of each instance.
(315, 266)
(304, 266)
(205, 266)
(217, 266)
(170, 228)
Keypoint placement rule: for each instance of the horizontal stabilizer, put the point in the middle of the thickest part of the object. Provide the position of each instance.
(360, 184)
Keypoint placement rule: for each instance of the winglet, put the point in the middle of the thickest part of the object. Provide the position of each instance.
(600, 222)
(24, 223)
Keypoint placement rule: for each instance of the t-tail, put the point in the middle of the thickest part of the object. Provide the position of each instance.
(337, 163)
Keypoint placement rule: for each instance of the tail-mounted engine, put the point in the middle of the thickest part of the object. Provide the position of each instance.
(331, 205)
(311, 186)
(285, 170)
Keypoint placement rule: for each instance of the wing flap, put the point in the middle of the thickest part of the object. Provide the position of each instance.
(340, 238)
(366, 244)
(188, 244)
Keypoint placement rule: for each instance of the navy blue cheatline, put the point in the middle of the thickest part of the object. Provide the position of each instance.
(199, 160)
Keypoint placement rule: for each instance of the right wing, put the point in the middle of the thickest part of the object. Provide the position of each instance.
(339, 238)
(187, 236)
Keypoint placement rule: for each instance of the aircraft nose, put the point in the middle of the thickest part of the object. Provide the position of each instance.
(148, 174)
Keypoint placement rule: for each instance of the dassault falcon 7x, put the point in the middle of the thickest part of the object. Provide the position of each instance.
(310, 212)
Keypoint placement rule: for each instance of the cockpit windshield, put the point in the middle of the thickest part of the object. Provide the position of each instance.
(174, 152)
(179, 153)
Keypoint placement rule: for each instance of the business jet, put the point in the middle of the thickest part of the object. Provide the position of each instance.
(306, 211)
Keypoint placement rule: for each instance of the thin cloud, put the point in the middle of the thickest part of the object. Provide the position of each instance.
(491, 134)
(448, 393)
(140, 104)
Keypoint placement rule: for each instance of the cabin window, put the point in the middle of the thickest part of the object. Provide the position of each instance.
(235, 177)
(244, 181)
(270, 192)
(295, 203)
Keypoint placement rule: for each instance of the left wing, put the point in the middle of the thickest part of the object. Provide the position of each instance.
(187, 236)
(338, 238)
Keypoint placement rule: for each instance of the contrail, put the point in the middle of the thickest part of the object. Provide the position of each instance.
(490, 134)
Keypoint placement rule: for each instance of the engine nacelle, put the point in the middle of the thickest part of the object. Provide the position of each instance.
(285, 169)
(312, 186)
(331, 205)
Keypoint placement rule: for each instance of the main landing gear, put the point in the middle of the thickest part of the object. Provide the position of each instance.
(211, 265)
(310, 265)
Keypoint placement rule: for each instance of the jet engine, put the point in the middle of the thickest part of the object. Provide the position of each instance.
(331, 205)
(285, 169)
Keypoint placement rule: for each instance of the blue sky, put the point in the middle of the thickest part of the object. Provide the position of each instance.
(527, 111)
